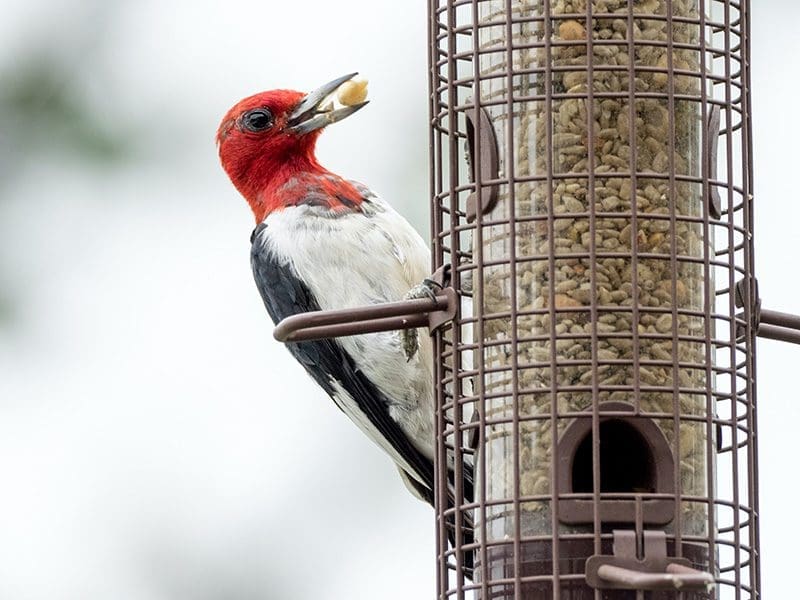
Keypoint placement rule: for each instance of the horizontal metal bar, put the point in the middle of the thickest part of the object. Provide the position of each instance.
(782, 319)
(677, 577)
(304, 334)
(781, 334)
(405, 314)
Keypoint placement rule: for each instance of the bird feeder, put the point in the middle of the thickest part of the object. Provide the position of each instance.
(592, 179)
(594, 332)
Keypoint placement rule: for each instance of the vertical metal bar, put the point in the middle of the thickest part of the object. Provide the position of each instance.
(512, 248)
(673, 264)
(632, 127)
(437, 255)
(755, 542)
(709, 296)
(551, 301)
(639, 528)
(458, 391)
(590, 202)
(434, 183)
(731, 214)
(450, 23)
(480, 467)
(452, 73)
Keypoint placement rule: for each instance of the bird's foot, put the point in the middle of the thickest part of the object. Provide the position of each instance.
(410, 337)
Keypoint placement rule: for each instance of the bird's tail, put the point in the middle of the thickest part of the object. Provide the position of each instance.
(466, 530)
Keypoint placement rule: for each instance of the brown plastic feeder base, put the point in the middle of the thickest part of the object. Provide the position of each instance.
(536, 560)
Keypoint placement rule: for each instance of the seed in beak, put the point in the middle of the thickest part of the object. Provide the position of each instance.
(352, 92)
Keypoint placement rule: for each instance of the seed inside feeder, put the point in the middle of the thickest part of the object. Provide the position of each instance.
(591, 249)
(571, 30)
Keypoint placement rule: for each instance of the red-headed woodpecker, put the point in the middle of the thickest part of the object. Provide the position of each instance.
(323, 242)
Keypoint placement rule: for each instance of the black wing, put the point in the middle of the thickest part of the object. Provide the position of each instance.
(325, 360)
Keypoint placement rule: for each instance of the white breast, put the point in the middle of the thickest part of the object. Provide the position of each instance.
(356, 260)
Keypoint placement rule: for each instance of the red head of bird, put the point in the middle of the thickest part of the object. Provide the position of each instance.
(268, 138)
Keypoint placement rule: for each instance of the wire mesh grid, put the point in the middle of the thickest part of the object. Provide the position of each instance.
(607, 298)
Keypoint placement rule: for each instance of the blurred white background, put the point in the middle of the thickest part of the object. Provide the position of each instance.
(155, 442)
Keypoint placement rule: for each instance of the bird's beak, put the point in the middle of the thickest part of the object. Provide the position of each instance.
(308, 116)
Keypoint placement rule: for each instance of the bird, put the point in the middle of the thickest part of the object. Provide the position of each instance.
(324, 242)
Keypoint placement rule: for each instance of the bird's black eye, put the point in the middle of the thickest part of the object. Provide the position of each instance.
(258, 119)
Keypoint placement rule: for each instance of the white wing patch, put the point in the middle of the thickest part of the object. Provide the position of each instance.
(357, 259)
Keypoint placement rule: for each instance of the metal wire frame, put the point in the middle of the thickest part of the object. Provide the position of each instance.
(727, 545)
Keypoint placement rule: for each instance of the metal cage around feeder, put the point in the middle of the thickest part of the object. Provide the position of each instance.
(591, 176)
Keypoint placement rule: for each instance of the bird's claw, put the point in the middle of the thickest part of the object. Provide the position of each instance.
(410, 337)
